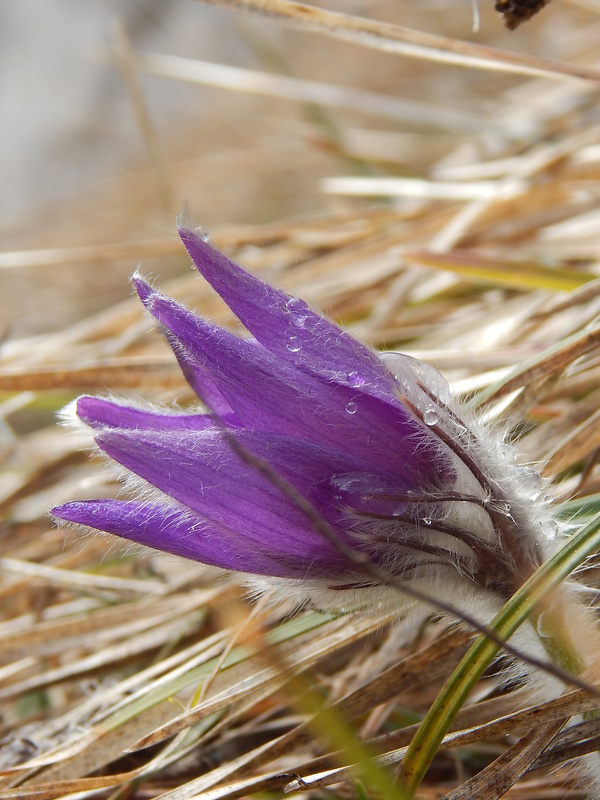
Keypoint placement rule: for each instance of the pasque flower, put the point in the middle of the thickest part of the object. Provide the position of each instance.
(371, 443)
(316, 465)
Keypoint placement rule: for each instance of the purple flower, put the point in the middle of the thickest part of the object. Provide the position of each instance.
(369, 442)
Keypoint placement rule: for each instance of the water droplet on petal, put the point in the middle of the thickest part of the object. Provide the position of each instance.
(351, 407)
(427, 521)
(408, 371)
(298, 312)
(294, 344)
(203, 233)
(294, 303)
(356, 380)
(430, 417)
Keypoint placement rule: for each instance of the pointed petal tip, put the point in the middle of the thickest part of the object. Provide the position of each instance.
(95, 514)
(80, 413)
(184, 230)
(205, 257)
(83, 407)
(142, 287)
(188, 230)
(188, 220)
(195, 239)
(68, 512)
(100, 412)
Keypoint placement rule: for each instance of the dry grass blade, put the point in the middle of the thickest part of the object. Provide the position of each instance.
(70, 578)
(495, 780)
(316, 92)
(59, 256)
(123, 373)
(126, 61)
(416, 670)
(574, 447)
(547, 719)
(407, 42)
(97, 626)
(301, 656)
(553, 361)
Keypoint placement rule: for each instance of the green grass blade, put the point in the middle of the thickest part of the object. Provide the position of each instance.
(521, 605)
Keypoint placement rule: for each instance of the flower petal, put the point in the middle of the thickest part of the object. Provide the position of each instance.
(195, 375)
(286, 326)
(177, 531)
(268, 394)
(202, 472)
(98, 412)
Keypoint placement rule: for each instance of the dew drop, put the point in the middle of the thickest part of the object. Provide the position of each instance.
(430, 417)
(294, 304)
(203, 233)
(300, 320)
(298, 312)
(341, 483)
(356, 379)
(294, 344)
(427, 521)
(351, 407)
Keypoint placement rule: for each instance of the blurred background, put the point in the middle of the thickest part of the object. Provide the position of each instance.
(96, 151)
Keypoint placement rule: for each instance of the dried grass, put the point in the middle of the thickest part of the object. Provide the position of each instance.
(125, 673)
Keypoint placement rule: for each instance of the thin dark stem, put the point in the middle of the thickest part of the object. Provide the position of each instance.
(411, 543)
(441, 497)
(470, 539)
(486, 554)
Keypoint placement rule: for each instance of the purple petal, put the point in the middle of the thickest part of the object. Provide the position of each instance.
(181, 533)
(268, 394)
(286, 326)
(203, 473)
(195, 375)
(204, 387)
(100, 413)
